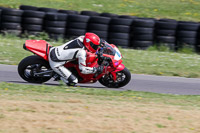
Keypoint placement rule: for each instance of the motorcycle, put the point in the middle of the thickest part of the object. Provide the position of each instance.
(36, 68)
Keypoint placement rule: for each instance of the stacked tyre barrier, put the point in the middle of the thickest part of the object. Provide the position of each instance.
(127, 17)
(44, 9)
(55, 25)
(142, 33)
(89, 13)
(0, 18)
(198, 41)
(32, 22)
(77, 25)
(25, 7)
(11, 21)
(109, 15)
(122, 30)
(187, 34)
(165, 33)
(99, 25)
(119, 31)
(68, 12)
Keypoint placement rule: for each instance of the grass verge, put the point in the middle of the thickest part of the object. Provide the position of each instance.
(179, 100)
(61, 109)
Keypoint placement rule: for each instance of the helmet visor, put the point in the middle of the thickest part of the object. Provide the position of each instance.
(95, 47)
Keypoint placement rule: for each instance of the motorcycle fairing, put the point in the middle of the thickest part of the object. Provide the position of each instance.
(119, 68)
(38, 47)
(85, 78)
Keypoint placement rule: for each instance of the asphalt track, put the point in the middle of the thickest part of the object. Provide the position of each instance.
(146, 83)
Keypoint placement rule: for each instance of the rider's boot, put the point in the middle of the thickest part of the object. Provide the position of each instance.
(71, 81)
(66, 76)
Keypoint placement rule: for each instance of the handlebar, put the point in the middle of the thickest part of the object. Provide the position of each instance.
(102, 59)
(100, 52)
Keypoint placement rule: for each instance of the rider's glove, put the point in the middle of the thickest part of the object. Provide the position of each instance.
(98, 69)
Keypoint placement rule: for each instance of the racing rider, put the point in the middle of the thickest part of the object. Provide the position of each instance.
(72, 50)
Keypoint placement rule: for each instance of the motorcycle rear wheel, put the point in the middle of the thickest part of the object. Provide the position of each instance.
(123, 78)
(30, 65)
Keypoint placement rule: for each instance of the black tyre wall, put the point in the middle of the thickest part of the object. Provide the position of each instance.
(188, 26)
(89, 13)
(119, 28)
(142, 33)
(0, 18)
(165, 33)
(99, 25)
(44, 9)
(143, 22)
(187, 35)
(55, 25)
(10, 26)
(32, 22)
(100, 20)
(11, 21)
(73, 33)
(121, 21)
(101, 34)
(26, 7)
(167, 25)
(109, 15)
(198, 42)
(120, 42)
(49, 23)
(56, 16)
(69, 12)
(33, 14)
(119, 31)
(77, 25)
(12, 12)
(32, 27)
(127, 16)
(78, 18)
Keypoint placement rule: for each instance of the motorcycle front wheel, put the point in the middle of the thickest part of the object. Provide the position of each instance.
(31, 65)
(123, 78)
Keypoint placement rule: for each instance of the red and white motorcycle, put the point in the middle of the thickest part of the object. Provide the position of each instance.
(36, 68)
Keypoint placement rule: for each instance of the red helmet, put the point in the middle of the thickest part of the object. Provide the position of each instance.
(91, 42)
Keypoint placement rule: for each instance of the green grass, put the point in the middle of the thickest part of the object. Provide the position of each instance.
(137, 61)
(162, 63)
(174, 9)
(10, 89)
(77, 108)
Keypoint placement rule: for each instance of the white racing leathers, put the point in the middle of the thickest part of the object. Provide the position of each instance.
(69, 51)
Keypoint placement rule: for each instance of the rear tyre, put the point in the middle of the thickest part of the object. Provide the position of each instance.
(123, 78)
(30, 65)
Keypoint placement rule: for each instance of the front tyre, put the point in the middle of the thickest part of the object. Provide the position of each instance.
(123, 78)
(31, 65)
